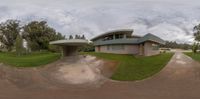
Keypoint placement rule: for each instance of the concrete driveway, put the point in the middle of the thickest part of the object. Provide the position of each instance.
(180, 79)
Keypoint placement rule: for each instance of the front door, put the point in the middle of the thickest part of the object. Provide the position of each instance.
(141, 49)
(98, 48)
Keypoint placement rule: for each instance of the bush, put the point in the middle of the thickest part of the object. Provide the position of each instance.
(54, 48)
(19, 45)
(195, 47)
(87, 48)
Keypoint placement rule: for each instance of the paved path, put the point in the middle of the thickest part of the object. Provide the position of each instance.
(180, 79)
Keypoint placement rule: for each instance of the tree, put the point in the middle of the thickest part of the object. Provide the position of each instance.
(174, 44)
(79, 37)
(59, 36)
(8, 33)
(1, 46)
(83, 37)
(38, 35)
(87, 48)
(197, 33)
(76, 37)
(19, 45)
(70, 37)
(196, 37)
(195, 47)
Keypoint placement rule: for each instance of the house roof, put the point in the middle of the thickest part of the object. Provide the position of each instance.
(124, 31)
(133, 40)
(70, 42)
(151, 37)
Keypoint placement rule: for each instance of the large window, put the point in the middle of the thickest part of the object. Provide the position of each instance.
(110, 37)
(118, 47)
(155, 47)
(115, 47)
(108, 47)
(119, 36)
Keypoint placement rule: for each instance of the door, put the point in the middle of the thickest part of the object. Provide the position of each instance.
(141, 49)
(98, 48)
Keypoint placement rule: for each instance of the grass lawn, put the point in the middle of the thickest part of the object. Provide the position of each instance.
(195, 56)
(132, 68)
(30, 60)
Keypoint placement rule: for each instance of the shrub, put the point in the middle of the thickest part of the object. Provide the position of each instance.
(54, 48)
(87, 48)
(195, 47)
(19, 45)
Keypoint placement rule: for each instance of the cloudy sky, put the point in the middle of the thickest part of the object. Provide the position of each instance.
(169, 19)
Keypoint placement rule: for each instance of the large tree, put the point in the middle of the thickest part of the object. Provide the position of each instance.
(8, 33)
(39, 34)
(19, 45)
(197, 33)
(196, 37)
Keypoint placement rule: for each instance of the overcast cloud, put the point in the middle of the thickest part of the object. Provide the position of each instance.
(169, 19)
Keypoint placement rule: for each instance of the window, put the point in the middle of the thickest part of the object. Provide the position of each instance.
(155, 47)
(108, 47)
(117, 47)
(110, 37)
(119, 36)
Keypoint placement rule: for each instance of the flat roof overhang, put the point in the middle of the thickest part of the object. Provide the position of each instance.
(70, 42)
(123, 31)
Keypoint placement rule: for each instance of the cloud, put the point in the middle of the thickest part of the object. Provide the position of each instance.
(169, 19)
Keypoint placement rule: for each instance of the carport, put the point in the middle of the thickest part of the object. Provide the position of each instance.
(70, 46)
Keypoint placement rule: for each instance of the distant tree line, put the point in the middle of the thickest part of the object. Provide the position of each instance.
(37, 34)
(87, 48)
(77, 37)
(196, 34)
(174, 44)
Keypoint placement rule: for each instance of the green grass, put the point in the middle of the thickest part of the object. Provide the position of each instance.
(132, 68)
(29, 60)
(195, 56)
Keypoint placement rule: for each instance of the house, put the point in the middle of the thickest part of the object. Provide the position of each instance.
(123, 42)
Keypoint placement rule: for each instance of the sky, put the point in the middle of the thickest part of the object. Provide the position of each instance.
(169, 19)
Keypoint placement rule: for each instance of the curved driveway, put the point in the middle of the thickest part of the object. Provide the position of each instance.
(180, 79)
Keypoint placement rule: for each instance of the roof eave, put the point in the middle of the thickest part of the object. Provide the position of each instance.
(114, 31)
(160, 42)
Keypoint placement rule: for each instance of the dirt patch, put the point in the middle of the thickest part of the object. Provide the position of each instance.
(108, 68)
(85, 70)
(79, 70)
